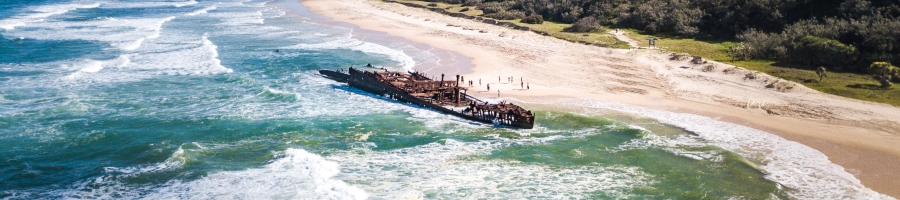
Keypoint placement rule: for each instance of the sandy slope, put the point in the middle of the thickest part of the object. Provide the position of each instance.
(861, 136)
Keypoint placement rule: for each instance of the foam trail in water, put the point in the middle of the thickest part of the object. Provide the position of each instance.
(94, 66)
(150, 4)
(199, 58)
(445, 170)
(154, 29)
(213, 51)
(187, 3)
(295, 174)
(201, 11)
(176, 160)
(404, 61)
(808, 172)
(41, 13)
(125, 34)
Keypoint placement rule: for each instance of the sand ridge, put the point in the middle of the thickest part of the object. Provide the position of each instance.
(860, 136)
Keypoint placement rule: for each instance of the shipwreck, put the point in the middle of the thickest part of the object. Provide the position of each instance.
(443, 96)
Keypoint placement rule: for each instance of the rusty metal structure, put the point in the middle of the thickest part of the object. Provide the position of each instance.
(444, 96)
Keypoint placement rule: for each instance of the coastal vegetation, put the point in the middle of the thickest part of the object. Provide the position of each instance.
(789, 39)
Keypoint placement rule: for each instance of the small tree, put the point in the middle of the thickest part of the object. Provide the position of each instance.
(884, 72)
(821, 72)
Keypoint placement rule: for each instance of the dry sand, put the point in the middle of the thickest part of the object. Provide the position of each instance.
(863, 137)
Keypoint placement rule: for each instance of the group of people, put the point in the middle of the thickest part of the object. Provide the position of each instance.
(510, 79)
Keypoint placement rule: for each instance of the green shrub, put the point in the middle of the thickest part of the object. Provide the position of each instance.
(584, 25)
(764, 45)
(821, 51)
(506, 15)
(884, 72)
(533, 19)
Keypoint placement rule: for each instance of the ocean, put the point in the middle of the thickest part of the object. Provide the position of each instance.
(129, 99)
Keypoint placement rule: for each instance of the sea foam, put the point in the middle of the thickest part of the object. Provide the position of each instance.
(405, 62)
(441, 170)
(297, 174)
(41, 13)
(201, 11)
(807, 172)
(89, 66)
(126, 34)
(149, 4)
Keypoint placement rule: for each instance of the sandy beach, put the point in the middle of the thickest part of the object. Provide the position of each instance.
(860, 136)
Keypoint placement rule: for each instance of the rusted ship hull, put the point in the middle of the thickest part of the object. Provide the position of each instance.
(446, 97)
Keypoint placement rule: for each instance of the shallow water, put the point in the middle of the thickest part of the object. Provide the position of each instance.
(189, 99)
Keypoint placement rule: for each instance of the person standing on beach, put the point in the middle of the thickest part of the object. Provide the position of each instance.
(489, 87)
(498, 93)
(479, 82)
(527, 86)
(522, 85)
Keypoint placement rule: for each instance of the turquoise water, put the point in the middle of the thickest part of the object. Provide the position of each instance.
(189, 100)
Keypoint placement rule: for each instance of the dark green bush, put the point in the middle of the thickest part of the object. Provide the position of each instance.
(533, 19)
(584, 25)
(506, 15)
(820, 51)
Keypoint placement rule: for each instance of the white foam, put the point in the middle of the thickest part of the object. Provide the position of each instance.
(94, 66)
(41, 13)
(213, 51)
(187, 3)
(445, 170)
(130, 46)
(405, 61)
(154, 30)
(296, 175)
(183, 58)
(808, 172)
(201, 11)
(245, 18)
(150, 4)
(126, 34)
(255, 4)
(675, 145)
(176, 160)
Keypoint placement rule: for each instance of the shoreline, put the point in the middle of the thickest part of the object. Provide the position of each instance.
(459, 62)
(859, 136)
